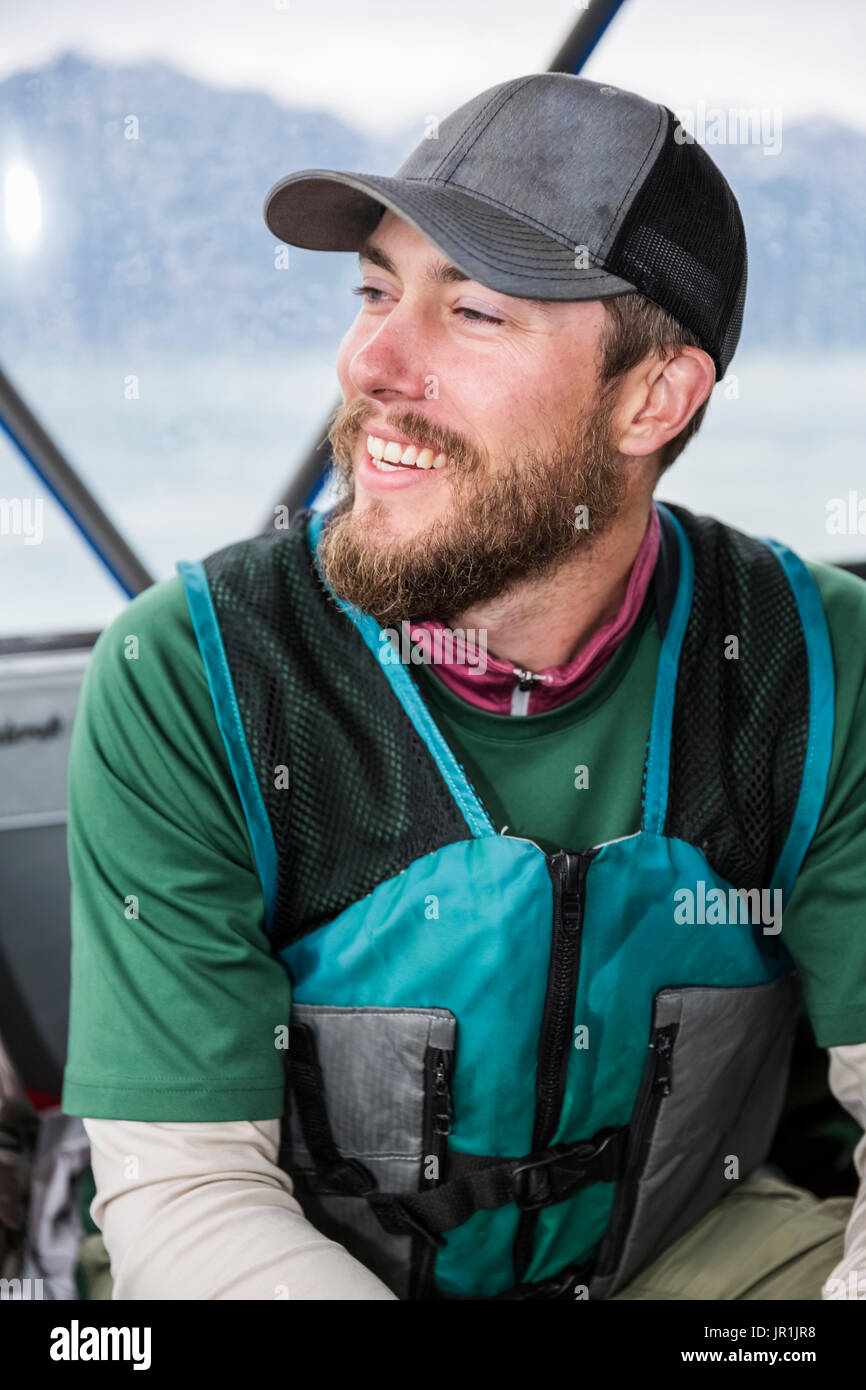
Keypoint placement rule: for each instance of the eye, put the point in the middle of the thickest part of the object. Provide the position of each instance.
(476, 316)
(367, 291)
(374, 295)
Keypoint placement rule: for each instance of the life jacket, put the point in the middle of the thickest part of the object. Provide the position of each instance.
(513, 1073)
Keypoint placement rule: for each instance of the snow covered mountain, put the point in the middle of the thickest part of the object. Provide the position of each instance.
(152, 186)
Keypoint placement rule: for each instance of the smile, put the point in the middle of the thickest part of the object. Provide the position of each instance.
(389, 456)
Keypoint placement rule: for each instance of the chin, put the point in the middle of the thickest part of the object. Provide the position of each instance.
(399, 519)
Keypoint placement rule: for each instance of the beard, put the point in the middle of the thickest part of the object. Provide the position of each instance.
(520, 522)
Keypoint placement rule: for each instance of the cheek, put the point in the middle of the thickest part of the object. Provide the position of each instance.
(346, 351)
(483, 395)
(515, 404)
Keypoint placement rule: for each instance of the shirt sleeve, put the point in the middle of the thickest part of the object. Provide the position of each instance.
(177, 1006)
(824, 921)
(202, 1211)
(848, 1084)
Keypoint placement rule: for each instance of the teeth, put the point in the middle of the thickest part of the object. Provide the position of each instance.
(388, 455)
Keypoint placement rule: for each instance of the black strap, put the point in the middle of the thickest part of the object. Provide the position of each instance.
(307, 1086)
(479, 1183)
(475, 1182)
(532, 1182)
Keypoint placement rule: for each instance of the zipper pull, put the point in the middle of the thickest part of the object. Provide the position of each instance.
(442, 1115)
(525, 677)
(664, 1046)
(572, 882)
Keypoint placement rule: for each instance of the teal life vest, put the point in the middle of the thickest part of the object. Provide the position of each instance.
(511, 1073)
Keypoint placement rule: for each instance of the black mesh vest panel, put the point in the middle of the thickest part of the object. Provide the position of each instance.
(366, 798)
(741, 724)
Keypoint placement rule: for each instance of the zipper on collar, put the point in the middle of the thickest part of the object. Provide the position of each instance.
(523, 689)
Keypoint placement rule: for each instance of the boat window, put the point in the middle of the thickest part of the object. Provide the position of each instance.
(780, 451)
(184, 360)
(50, 579)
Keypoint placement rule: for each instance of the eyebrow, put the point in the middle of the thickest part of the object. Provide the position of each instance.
(437, 273)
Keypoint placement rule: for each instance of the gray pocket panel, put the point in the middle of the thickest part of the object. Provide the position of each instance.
(728, 1072)
(374, 1066)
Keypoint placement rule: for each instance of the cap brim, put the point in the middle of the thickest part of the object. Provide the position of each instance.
(328, 210)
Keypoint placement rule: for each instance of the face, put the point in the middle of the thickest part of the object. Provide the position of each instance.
(471, 429)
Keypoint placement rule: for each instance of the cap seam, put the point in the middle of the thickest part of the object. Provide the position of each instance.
(525, 217)
(477, 118)
(479, 115)
(455, 235)
(545, 278)
(662, 110)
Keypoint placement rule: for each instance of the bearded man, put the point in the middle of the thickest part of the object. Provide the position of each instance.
(476, 976)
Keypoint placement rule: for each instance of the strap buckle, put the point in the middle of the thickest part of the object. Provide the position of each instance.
(561, 1170)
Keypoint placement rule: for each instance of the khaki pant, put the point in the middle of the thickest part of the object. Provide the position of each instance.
(94, 1268)
(764, 1240)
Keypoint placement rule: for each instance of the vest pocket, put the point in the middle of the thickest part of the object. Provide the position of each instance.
(711, 1092)
(369, 1107)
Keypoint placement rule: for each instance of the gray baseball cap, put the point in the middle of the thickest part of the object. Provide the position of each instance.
(551, 187)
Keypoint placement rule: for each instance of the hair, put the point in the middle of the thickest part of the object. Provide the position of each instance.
(637, 328)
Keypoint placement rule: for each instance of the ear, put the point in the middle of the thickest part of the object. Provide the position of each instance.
(657, 401)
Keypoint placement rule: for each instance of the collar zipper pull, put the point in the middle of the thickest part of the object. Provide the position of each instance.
(525, 677)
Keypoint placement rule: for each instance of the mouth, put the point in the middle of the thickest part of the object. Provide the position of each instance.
(388, 456)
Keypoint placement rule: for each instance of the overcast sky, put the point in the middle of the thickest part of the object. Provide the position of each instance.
(383, 63)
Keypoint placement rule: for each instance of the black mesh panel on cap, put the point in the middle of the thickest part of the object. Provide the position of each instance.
(366, 797)
(683, 244)
(741, 725)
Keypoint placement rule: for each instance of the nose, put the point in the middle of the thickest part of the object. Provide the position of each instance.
(394, 359)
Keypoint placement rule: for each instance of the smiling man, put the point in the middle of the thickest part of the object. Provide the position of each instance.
(382, 983)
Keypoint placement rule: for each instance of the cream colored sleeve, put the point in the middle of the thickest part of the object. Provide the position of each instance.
(848, 1084)
(202, 1211)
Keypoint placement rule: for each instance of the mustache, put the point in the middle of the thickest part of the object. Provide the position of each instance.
(349, 420)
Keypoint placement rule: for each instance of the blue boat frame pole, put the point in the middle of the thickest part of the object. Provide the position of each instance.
(43, 456)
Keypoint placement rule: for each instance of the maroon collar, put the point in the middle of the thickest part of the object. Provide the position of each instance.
(496, 685)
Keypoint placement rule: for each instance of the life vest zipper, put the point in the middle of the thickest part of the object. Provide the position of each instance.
(655, 1084)
(438, 1121)
(568, 873)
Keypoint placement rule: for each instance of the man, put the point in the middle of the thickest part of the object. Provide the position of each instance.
(513, 810)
